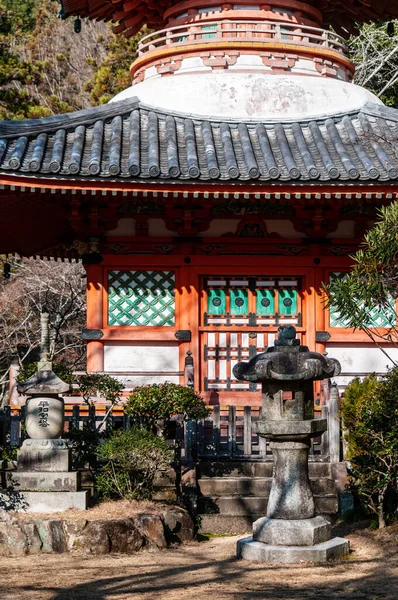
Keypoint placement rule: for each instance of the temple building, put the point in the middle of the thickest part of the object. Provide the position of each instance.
(211, 199)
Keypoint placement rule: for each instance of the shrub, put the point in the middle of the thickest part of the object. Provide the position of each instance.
(130, 461)
(370, 418)
(60, 369)
(162, 401)
(101, 385)
(104, 385)
(84, 444)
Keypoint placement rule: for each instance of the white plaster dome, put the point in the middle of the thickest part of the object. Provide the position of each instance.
(246, 96)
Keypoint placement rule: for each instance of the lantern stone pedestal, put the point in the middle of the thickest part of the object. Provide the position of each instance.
(291, 531)
(43, 481)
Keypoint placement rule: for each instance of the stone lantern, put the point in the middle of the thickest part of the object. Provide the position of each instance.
(291, 531)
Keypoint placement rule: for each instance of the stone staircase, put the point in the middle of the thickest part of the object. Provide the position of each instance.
(233, 494)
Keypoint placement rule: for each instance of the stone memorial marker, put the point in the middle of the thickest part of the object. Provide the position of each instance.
(43, 481)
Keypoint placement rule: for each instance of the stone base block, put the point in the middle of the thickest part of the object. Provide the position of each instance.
(44, 455)
(43, 502)
(249, 549)
(43, 481)
(298, 532)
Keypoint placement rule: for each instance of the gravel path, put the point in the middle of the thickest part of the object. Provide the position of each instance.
(206, 571)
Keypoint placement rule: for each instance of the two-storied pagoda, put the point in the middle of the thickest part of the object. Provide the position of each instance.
(211, 199)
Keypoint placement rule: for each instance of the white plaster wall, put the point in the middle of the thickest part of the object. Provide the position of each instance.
(157, 227)
(361, 360)
(141, 357)
(125, 227)
(345, 229)
(240, 95)
(221, 227)
(284, 228)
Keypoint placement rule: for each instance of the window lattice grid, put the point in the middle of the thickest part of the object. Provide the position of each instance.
(141, 298)
(378, 317)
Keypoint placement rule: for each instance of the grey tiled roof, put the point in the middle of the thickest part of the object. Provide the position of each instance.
(127, 140)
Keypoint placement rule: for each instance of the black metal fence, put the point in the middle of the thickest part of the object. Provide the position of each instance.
(226, 433)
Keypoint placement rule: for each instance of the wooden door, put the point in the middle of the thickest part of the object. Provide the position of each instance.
(240, 318)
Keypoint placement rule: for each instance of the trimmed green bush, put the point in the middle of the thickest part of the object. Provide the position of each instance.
(370, 417)
(162, 401)
(131, 460)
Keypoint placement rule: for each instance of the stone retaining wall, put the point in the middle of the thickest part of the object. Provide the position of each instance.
(152, 532)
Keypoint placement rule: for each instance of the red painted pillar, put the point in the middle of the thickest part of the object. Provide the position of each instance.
(95, 297)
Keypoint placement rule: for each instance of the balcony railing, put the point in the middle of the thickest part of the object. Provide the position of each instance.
(259, 31)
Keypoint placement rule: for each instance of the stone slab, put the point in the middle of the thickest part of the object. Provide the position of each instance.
(249, 549)
(44, 457)
(249, 505)
(311, 427)
(43, 502)
(226, 524)
(294, 532)
(44, 481)
(255, 468)
(255, 486)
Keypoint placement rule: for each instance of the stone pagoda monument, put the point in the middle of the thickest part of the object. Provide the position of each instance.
(43, 481)
(291, 531)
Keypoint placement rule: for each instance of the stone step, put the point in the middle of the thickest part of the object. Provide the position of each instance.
(43, 502)
(254, 469)
(254, 486)
(44, 481)
(256, 505)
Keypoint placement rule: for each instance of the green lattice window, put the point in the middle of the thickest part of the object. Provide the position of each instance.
(377, 317)
(252, 301)
(141, 298)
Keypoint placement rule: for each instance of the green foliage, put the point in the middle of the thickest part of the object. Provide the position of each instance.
(63, 371)
(14, 71)
(113, 74)
(162, 401)
(131, 460)
(372, 282)
(84, 444)
(370, 418)
(7, 454)
(100, 385)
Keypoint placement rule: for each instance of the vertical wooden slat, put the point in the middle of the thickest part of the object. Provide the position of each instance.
(216, 430)
(75, 417)
(91, 417)
(200, 438)
(324, 446)
(262, 442)
(14, 430)
(126, 422)
(231, 430)
(190, 441)
(247, 431)
(334, 425)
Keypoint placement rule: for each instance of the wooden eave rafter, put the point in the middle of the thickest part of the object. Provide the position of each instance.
(133, 14)
(201, 190)
(44, 218)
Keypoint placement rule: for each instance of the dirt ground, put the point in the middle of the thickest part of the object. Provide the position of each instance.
(206, 570)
